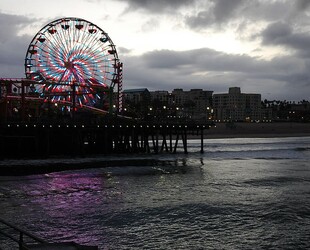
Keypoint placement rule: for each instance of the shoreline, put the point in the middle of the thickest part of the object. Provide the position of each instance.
(254, 136)
(257, 130)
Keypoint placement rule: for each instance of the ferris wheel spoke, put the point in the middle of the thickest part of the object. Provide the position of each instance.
(60, 79)
(85, 37)
(65, 33)
(87, 45)
(54, 50)
(53, 39)
(91, 42)
(60, 41)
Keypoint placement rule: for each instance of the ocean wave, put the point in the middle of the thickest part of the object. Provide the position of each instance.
(274, 181)
(303, 149)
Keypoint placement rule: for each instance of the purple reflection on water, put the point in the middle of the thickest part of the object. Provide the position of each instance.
(64, 206)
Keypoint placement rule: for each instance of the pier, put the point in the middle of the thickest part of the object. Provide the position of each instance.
(44, 140)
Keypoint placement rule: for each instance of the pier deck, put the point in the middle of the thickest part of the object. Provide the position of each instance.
(44, 140)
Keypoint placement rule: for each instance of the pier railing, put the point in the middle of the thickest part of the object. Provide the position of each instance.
(18, 236)
(27, 241)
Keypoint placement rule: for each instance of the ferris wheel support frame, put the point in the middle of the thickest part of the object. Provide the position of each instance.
(23, 96)
(112, 71)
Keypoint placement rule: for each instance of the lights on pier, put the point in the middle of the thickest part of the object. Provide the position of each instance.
(137, 133)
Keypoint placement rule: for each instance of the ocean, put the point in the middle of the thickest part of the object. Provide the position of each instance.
(241, 193)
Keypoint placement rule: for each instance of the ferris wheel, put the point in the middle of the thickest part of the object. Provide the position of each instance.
(74, 60)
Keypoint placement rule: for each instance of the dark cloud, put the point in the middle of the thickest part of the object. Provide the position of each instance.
(302, 5)
(233, 13)
(218, 13)
(215, 12)
(10, 25)
(282, 34)
(276, 33)
(157, 6)
(12, 45)
(224, 10)
(200, 60)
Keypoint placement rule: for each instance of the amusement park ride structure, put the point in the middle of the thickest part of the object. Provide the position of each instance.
(64, 105)
(70, 65)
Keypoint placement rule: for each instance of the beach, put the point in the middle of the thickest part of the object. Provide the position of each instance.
(258, 130)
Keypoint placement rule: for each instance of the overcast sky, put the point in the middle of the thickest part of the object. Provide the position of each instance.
(262, 46)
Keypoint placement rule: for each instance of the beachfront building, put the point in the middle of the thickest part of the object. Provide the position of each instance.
(292, 111)
(136, 101)
(161, 104)
(193, 104)
(162, 97)
(136, 95)
(237, 106)
(196, 103)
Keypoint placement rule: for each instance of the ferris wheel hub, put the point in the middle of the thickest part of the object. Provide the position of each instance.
(69, 65)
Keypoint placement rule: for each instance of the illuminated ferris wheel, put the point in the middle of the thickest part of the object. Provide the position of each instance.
(75, 60)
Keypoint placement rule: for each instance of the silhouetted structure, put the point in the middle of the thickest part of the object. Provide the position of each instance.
(25, 140)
